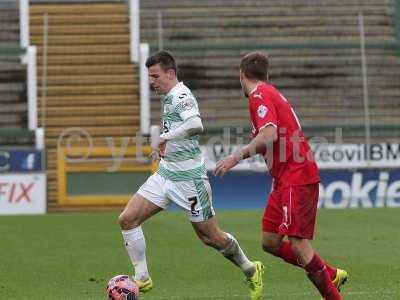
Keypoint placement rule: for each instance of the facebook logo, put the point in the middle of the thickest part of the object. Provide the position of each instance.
(20, 160)
(29, 162)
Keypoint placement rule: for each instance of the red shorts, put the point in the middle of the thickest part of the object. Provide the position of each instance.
(292, 211)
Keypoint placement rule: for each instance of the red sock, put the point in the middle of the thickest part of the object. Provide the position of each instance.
(331, 271)
(319, 276)
(286, 253)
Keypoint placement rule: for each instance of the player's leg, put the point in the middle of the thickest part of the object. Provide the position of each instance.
(211, 235)
(148, 201)
(195, 197)
(315, 268)
(274, 243)
(272, 218)
(197, 201)
(299, 206)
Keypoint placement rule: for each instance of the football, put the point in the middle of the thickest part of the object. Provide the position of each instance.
(122, 287)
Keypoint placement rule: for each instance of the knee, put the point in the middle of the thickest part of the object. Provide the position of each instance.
(302, 250)
(270, 247)
(271, 243)
(296, 248)
(127, 223)
(207, 241)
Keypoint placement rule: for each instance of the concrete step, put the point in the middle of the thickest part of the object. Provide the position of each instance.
(263, 21)
(86, 19)
(82, 121)
(59, 102)
(12, 76)
(249, 11)
(86, 59)
(13, 66)
(190, 43)
(98, 131)
(85, 50)
(268, 32)
(12, 87)
(82, 40)
(13, 109)
(109, 89)
(91, 80)
(7, 97)
(110, 69)
(81, 29)
(14, 120)
(78, 9)
(289, 4)
(109, 110)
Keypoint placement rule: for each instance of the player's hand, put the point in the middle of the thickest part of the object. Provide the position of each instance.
(159, 151)
(225, 165)
(154, 155)
(161, 147)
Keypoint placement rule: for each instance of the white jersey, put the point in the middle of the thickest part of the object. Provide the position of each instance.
(183, 160)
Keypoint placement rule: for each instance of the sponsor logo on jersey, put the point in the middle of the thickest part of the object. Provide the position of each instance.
(257, 95)
(262, 111)
(188, 104)
(182, 96)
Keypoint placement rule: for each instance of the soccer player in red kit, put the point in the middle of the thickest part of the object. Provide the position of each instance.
(292, 205)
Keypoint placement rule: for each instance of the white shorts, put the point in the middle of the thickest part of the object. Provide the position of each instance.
(193, 196)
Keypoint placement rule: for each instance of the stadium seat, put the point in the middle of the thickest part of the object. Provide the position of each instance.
(314, 49)
(13, 97)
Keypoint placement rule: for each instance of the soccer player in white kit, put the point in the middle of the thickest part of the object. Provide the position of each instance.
(180, 178)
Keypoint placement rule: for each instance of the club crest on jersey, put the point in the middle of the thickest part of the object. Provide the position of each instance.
(168, 108)
(262, 111)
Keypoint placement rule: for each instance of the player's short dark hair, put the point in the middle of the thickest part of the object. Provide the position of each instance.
(254, 65)
(164, 58)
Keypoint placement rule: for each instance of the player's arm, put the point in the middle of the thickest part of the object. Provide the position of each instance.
(259, 144)
(190, 127)
(264, 119)
(186, 107)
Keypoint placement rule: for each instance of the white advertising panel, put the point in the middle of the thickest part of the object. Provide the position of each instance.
(22, 194)
(327, 156)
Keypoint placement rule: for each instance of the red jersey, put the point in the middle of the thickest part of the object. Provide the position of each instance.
(290, 161)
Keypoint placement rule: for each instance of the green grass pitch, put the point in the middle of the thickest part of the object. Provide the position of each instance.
(72, 255)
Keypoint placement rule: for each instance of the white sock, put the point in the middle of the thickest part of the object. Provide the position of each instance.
(235, 254)
(136, 247)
